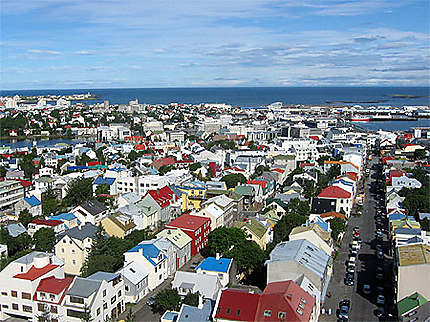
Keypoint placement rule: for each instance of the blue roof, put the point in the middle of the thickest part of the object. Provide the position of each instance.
(169, 316)
(396, 216)
(33, 201)
(148, 250)
(103, 276)
(63, 216)
(102, 180)
(322, 223)
(215, 265)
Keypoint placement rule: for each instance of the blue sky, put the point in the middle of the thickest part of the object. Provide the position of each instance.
(159, 43)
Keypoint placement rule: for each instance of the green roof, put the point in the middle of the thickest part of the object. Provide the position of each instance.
(277, 201)
(244, 190)
(410, 303)
(216, 192)
(284, 157)
(255, 226)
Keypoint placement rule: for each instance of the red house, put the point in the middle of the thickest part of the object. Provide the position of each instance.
(237, 305)
(284, 301)
(197, 227)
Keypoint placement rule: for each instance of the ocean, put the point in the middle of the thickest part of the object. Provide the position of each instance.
(252, 96)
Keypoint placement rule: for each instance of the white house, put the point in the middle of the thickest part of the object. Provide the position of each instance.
(136, 282)
(216, 266)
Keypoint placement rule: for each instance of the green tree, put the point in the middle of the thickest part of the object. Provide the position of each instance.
(337, 226)
(191, 299)
(44, 239)
(100, 155)
(27, 165)
(102, 189)
(241, 254)
(166, 168)
(131, 317)
(50, 203)
(419, 154)
(137, 236)
(133, 156)
(2, 171)
(232, 180)
(196, 165)
(309, 189)
(167, 299)
(333, 172)
(78, 191)
(25, 217)
(284, 226)
(222, 239)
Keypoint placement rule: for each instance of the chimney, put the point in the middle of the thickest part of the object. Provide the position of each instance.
(217, 256)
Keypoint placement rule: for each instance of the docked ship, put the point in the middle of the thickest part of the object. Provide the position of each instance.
(360, 118)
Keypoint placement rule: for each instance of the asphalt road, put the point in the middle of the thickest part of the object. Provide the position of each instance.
(362, 305)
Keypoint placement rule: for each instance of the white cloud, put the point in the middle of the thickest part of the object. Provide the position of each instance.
(46, 52)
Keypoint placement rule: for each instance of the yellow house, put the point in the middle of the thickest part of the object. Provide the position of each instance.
(193, 193)
(73, 247)
(255, 231)
(118, 225)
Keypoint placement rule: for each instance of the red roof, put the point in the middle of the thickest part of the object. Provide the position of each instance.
(286, 297)
(332, 214)
(190, 222)
(45, 222)
(334, 192)
(157, 164)
(93, 163)
(34, 273)
(314, 137)
(54, 285)
(278, 170)
(162, 196)
(385, 159)
(237, 305)
(261, 183)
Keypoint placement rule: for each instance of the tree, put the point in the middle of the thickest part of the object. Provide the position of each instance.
(131, 317)
(337, 226)
(196, 165)
(232, 180)
(241, 253)
(333, 172)
(132, 156)
(27, 165)
(2, 171)
(25, 217)
(136, 236)
(167, 299)
(100, 155)
(285, 225)
(222, 239)
(78, 191)
(50, 204)
(102, 189)
(309, 189)
(45, 316)
(44, 239)
(191, 299)
(419, 154)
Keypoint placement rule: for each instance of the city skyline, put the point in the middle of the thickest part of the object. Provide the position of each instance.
(105, 44)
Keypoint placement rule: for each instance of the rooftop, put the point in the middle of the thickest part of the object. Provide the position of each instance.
(413, 254)
(215, 265)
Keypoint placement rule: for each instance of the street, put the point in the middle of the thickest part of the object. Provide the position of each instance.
(362, 305)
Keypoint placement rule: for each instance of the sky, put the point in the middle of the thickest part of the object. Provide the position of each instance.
(60, 44)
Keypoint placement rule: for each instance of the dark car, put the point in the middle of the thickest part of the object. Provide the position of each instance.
(151, 300)
(344, 308)
(194, 264)
(379, 312)
(349, 279)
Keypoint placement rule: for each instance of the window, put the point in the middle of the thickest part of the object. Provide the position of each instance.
(27, 308)
(14, 306)
(64, 240)
(303, 300)
(74, 299)
(75, 314)
(98, 311)
(237, 312)
(228, 311)
(26, 296)
(73, 251)
(112, 300)
(104, 306)
(73, 262)
(282, 315)
(14, 293)
(4, 293)
(104, 293)
(126, 288)
(62, 250)
(40, 307)
(119, 293)
(299, 311)
(267, 313)
(54, 309)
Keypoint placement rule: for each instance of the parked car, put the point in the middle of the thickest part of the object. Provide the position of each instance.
(344, 308)
(349, 279)
(380, 254)
(151, 300)
(380, 300)
(194, 264)
(367, 289)
(379, 312)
